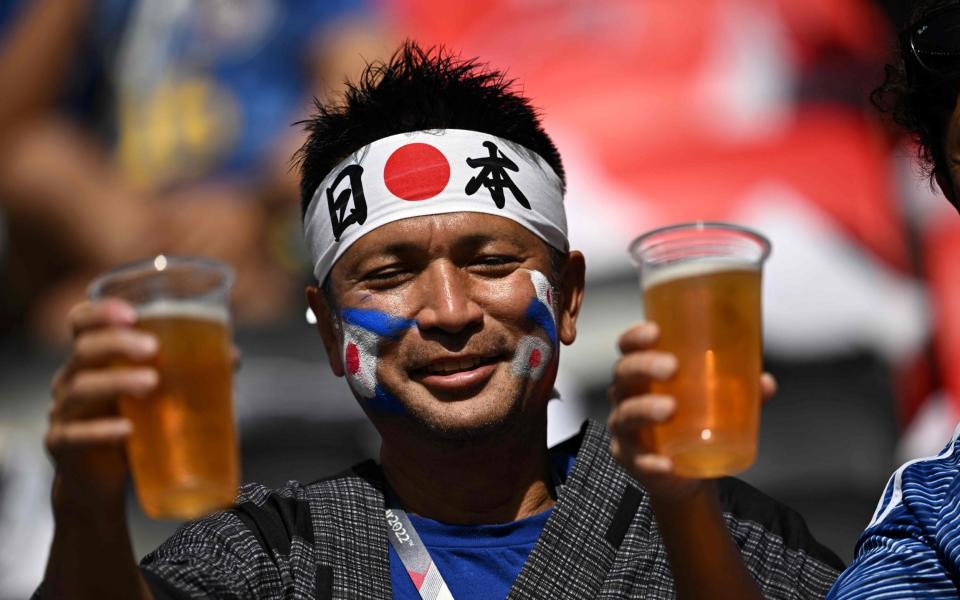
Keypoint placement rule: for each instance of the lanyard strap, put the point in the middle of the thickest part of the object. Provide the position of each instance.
(415, 557)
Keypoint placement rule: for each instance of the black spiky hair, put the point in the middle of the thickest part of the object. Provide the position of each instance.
(419, 89)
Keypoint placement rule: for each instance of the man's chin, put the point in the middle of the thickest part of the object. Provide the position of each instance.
(455, 421)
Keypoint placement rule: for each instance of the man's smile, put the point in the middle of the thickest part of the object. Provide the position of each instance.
(453, 364)
(457, 373)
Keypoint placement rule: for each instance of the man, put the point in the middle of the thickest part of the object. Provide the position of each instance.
(433, 212)
(910, 548)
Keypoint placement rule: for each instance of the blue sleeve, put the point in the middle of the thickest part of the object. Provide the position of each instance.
(911, 549)
(894, 567)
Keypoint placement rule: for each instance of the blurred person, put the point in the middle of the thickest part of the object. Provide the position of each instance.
(910, 548)
(433, 209)
(130, 128)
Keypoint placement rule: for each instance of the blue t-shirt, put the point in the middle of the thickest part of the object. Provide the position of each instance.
(478, 562)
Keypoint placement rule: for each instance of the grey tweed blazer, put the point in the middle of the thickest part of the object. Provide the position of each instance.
(327, 540)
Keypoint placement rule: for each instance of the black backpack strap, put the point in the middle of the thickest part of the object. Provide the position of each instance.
(274, 523)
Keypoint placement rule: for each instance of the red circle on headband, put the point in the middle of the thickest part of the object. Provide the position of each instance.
(416, 172)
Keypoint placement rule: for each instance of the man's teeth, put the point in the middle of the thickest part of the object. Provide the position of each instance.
(453, 366)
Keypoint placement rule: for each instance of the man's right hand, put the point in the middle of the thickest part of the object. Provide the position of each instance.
(86, 435)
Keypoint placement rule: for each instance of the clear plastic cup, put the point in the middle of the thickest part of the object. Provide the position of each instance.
(183, 450)
(701, 286)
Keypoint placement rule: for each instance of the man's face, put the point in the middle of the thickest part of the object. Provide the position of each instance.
(450, 320)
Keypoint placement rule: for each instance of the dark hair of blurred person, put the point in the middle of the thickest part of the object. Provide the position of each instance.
(922, 100)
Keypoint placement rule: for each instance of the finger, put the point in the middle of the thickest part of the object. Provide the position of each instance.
(61, 379)
(768, 387)
(652, 465)
(613, 394)
(101, 347)
(615, 447)
(77, 435)
(641, 336)
(646, 364)
(95, 393)
(633, 373)
(635, 412)
(623, 450)
(94, 314)
(644, 463)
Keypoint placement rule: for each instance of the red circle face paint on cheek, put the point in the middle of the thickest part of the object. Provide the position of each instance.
(535, 358)
(352, 359)
(416, 172)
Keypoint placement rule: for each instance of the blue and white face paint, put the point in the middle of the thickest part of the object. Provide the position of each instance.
(533, 353)
(363, 332)
(366, 330)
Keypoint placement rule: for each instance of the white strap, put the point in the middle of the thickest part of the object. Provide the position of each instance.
(415, 557)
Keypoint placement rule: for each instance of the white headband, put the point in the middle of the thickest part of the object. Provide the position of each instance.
(428, 173)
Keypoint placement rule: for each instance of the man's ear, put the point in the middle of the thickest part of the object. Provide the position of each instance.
(571, 296)
(328, 324)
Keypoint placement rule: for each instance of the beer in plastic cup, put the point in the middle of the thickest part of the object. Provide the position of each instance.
(183, 450)
(701, 286)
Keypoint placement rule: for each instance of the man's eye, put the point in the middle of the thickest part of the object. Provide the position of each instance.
(495, 261)
(385, 275)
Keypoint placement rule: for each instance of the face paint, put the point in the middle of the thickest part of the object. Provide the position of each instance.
(533, 353)
(377, 322)
(531, 358)
(363, 331)
(540, 310)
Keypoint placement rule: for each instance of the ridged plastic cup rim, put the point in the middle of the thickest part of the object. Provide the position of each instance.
(158, 264)
(762, 241)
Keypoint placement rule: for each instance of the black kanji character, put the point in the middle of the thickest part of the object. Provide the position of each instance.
(493, 176)
(340, 219)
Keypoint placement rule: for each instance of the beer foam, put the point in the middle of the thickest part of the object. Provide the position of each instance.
(192, 309)
(694, 268)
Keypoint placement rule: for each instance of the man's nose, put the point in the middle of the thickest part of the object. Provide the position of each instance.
(447, 302)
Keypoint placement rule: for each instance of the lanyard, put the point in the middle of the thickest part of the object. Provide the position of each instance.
(415, 557)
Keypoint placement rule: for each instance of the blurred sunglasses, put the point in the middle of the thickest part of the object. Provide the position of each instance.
(932, 46)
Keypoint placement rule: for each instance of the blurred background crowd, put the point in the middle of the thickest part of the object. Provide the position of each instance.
(129, 128)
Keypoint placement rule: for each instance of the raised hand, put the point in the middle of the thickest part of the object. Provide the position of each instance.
(634, 409)
(86, 434)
